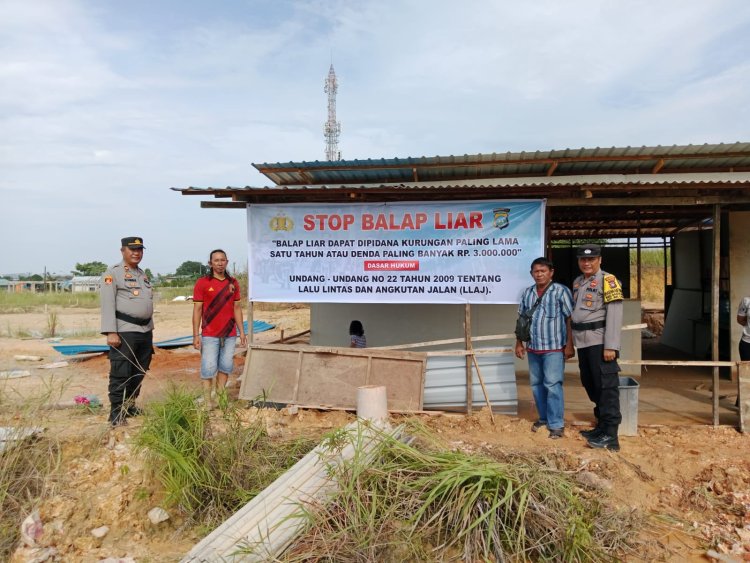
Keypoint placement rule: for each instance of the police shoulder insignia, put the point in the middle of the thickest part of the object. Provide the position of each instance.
(612, 289)
(108, 280)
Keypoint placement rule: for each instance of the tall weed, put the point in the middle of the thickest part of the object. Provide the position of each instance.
(211, 465)
(26, 462)
(419, 504)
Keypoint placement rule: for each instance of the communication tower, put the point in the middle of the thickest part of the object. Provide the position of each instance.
(332, 127)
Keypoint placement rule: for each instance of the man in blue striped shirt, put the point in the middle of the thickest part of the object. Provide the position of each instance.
(550, 345)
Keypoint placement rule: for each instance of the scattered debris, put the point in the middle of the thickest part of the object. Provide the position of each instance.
(87, 401)
(157, 515)
(32, 529)
(24, 358)
(100, 532)
(8, 435)
(54, 365)
(593, 481)
(14, 373)
(35, 555)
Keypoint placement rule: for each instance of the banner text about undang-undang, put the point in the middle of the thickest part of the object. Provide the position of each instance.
(445, 252)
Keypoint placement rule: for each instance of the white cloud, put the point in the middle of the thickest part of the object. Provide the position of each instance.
(104, 106)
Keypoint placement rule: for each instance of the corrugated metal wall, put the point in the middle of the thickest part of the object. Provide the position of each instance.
(445, 383)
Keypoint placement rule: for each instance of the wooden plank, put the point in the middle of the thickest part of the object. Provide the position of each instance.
(279, 370)
(329, 377)
(686, 363)
(327, 380)
(715, 281)
(354, 409)
(403, 389)
(468, 352)
(509, 336)
(374, 352)
(288, 338)
(295, 391)
(484, 389)
(467, 347)
(743, 393)
(446, 341)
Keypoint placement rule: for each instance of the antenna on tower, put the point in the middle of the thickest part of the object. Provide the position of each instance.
(332, 127)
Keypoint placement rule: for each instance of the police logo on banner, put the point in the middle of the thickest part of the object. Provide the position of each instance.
(501, 217)
(281, 223)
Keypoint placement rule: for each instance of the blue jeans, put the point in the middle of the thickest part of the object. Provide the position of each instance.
(546, 375)
(217, 355)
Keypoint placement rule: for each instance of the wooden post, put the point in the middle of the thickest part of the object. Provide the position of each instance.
(743, 395)
(250, 333)
(639, 266)
(484, 389)
(664, 256)
(467, 347)
(715, 281)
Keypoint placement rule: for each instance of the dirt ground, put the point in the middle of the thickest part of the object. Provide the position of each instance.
(689, 481)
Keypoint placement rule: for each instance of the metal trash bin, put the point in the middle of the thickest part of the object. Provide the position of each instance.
(628, 406)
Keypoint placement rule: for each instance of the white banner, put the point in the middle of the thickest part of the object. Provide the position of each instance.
(415, 252)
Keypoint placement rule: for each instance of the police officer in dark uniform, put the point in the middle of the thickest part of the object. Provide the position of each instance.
(597, 325)
(127, 321)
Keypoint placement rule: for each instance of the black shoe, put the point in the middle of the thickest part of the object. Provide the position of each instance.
(537, 425)
(592, 433)
(133, 411)
(605, 442)
(556, 433)
(117, 422)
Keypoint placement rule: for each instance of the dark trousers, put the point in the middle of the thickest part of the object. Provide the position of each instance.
(601, 382)
(744, 351)
(128, 364)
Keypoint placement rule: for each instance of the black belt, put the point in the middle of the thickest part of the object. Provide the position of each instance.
(132, 320)
(588, 326)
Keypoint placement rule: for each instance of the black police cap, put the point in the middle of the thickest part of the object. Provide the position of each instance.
(589, 251)
(133, 243)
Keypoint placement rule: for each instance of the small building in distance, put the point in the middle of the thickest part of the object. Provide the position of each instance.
(84, 284)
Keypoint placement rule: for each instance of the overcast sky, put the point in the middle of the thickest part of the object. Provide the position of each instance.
(105, 105)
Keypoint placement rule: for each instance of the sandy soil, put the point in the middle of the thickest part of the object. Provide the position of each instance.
(690, 483)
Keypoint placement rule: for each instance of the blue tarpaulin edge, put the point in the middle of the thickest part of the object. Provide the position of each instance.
(73, 349)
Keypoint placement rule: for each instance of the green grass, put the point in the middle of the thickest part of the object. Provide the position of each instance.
(651, 257)
(417, 503)
(27, 465)
(26, 302)
(169, 293)
(210, 466)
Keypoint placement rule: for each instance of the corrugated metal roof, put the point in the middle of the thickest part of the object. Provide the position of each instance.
(598, 160)
(595, 192)
(613, 180)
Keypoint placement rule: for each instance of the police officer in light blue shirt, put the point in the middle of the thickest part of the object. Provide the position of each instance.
(127, 309)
